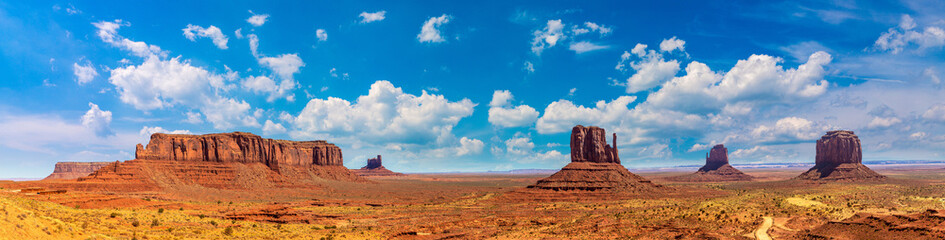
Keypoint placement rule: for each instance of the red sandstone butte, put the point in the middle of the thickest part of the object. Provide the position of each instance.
(74, 170)
(226, 160)
(239, 147)
(839, 158)
(716, 169)
(375, 167)
(595, 166)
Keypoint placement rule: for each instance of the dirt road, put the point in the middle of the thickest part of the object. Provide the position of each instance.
(762, 232)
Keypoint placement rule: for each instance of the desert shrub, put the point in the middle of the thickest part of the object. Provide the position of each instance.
(201, 216)
(330, 227)
(228, 231)
(135, 223)
(114, 215)
(214, 223)
(182, 209)
(160, 210)
(155, 223)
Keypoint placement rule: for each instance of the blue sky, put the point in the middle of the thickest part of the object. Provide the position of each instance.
(494, 85)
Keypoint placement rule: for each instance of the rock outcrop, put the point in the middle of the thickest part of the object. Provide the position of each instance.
(225, 160)
(595, 166)
(589, 144)
(716, 169)
(239, 147)
(839, 158)
(74, 170)
(375, 168)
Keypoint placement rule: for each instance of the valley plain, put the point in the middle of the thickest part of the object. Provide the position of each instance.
(486, 206)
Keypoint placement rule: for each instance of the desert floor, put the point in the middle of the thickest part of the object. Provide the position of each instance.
(474, 206)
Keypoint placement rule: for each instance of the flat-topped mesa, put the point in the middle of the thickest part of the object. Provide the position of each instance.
(239, 147)
(839, 158)
(73, 170)
(838, 147)
(589, 144)
(373, 163)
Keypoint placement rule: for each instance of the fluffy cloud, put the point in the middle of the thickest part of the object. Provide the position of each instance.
(98, 120)
(257, 19)
(158, 84)
(212, 32)
(284, 66)
(253, 44)
(760, 77)
(554, 31)
(108, 32)
(787, 130)
(385, 115)
(84, 73)
(469, 146)
(161, 83)
(759, 80)
(519, 145)
(548, 36)
(148, 131)
(895, 39)
(590, 27)
(668, 45)
(501, 112)
(367, 17)
(883, 122)
(271, 128)
(430, 32)
(561, 115)
(321, 35)
(649, 71)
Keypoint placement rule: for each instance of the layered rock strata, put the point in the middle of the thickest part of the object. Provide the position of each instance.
(239, 147)
(225, 160)
(716, 169)
(375, 167)
(839, 158)
(595, 166)
(74, 170)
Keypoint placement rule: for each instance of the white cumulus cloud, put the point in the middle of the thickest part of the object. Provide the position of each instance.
(431, 29)
(386, 115)
(321, 35)
(98, 120)
(84, 73)
(896, 39)
(367, 17)
(219, 39)
(503, 114)
(257, 19)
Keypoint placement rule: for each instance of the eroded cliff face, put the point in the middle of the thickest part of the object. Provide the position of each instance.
(839, 158)
(373, 163)
(838, 147)
(589, 144)
(595, 166)
(73, 170)
(717, 156)
(239, 147)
